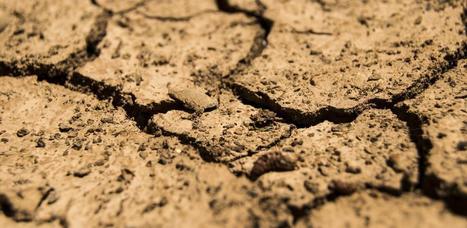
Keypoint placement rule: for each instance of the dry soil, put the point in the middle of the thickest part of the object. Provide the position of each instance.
(233, 113)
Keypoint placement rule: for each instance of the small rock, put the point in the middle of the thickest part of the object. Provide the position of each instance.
(193, 98)
(77, 144)
(82, 172)
(107, 120)
(418, 20)
(263, 118)
(297, 142)
(40, 143)
(64, 127)
(162, 161)
(22, 132)
(462, 145)
(353, 167)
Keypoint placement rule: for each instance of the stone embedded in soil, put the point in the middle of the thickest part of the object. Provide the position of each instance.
(348, 53)
(44, 33)
(341, 158)
(445, 108)
(22, 132)
(193, 98)
(374, 209)
(142, 56)
(117, 187)
(227, 132)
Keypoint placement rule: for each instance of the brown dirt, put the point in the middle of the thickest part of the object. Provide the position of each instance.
(266, 113)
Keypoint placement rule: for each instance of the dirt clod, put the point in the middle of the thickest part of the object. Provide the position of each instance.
(193, 98)
(22, 132)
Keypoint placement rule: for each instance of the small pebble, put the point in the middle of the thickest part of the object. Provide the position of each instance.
(64, 127)
(22, 132)
(353, 167)
(82, 172)
(40, 143)
(193, 99)
(462, 145)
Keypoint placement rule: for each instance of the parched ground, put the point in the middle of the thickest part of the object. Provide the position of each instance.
(233, 113)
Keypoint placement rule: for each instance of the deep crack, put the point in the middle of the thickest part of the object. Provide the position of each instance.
(302, 119)
(261, 39)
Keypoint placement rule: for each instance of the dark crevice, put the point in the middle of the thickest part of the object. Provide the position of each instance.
(260, 40)
(295, 116)
(429, 183)
(64, 74)
(176, 19)
(6, 206)
(303, 119)
(414, 124)
(60, 74)
(437, 73)
(206, 154)
(95, 36)
(299, 213)
(312, 32)
(437, 189)
(303, 211)
(261, 148)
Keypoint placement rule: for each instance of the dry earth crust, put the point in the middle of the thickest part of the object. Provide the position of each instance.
(233, 113)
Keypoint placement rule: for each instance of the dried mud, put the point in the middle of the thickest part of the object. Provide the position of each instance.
(228, 113)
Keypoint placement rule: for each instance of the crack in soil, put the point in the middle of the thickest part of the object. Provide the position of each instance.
(261, 39)
(176, 19)
(57, 73)
(301, 212)
(414, 123)
(61, 74)
(301, 119)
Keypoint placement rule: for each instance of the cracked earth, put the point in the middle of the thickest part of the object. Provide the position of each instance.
(233, 113)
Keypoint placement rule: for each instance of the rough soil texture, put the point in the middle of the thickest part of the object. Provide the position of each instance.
(233, 113)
